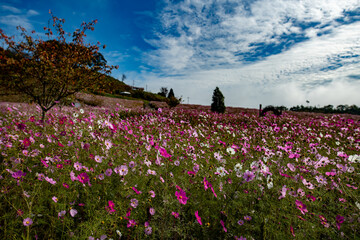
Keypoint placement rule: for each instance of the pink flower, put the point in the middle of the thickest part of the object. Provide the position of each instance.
(292, 231)
(181, 195)
(66, 185)
(301, 206)
(27, 222)
(247, 218)
(61, 213)
(248, 176)
(134, 202)
(152, 211)
(152, 193)
(175, 214)
(55, 199)
(223, 225)
(291, 167)
(198, 218)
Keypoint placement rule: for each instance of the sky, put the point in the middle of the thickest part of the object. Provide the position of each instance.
(269, 52)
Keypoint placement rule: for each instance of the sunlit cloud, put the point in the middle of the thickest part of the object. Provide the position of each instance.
(270, 52)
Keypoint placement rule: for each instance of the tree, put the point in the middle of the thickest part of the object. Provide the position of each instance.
(163, 91)
(49, 71)
(171, 93)
(218, 104)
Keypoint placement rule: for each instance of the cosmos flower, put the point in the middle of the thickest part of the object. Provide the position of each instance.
(148, 230)
(152, 211)
(198, 218)
(181, 195)
(248, 176)
(175, 214)
(220, 171)
(301, 206)
(27, 222)
(134, 202)
(247, 218)
(111, 207)
(83, 178)
(73, 212)
(339, 220)
(123, 170)
(237, 167)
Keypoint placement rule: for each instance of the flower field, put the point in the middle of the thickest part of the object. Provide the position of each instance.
(111, 173)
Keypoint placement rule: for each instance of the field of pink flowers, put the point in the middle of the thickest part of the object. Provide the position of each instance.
(111, 173)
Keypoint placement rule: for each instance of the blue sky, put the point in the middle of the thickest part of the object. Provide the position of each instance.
(280, 52)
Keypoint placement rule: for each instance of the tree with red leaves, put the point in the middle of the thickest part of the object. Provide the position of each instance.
(49, 71)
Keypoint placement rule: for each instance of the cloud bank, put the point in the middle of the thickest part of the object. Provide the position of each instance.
(268, 51)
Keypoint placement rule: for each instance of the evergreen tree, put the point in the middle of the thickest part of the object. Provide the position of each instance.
(218, 104)
(171, 93)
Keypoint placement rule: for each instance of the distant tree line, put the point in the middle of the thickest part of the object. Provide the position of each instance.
(353, 109)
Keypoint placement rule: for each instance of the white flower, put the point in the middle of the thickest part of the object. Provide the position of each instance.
(82, 111)
(354, 158)
(237, 167)
(220, 171)
(73, 212)
(357, 204)
(75, 115)
(269, 181)
(118, 233)
(230, 150)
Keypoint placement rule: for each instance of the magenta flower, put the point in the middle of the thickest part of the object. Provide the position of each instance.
(223, 225)
(339, 221)
(181, 195)
(164, 153)
(301, 206)
(111, 207)
(131, 223)
(135, 190)
(27, 222)
(83, 178)
(18, 175)
(175, 214)
(198, 218)
(207, 185)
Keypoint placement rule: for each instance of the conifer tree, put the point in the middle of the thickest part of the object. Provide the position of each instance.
(218, 104)
(171, 93)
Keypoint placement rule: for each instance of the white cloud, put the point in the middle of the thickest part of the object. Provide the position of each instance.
(10, 8)
(204, 42)
(11, 21)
